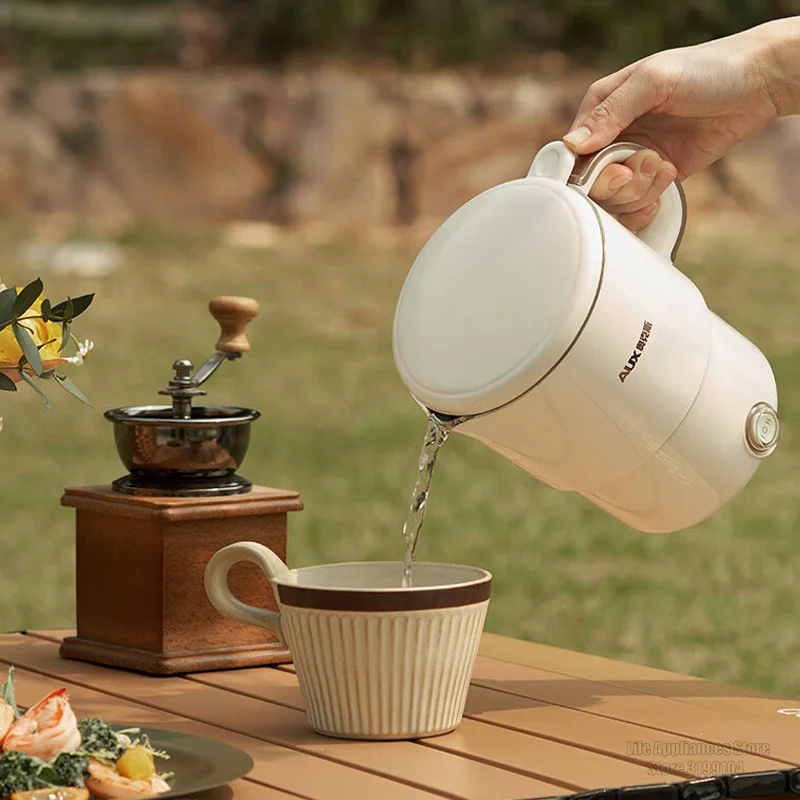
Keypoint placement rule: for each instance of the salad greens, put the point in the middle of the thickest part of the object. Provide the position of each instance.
(20, 772)
(70, 768)
(99, 740)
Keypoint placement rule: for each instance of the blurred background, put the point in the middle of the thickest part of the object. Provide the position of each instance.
(301, 151)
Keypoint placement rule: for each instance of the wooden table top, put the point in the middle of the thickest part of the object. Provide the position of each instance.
(540, 722)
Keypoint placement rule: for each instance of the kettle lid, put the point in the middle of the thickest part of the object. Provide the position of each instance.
(498, 295)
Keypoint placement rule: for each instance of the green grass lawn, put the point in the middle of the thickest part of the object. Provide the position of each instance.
(718, 601)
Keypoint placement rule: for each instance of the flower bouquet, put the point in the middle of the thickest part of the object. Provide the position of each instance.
(34, 335)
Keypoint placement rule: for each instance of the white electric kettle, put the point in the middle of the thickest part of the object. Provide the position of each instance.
(545, 329)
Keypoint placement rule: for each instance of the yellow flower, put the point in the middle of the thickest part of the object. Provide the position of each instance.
(46, 336)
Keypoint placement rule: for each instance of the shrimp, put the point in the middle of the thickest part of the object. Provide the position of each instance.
(46, 729)
(105, 781)
(6, 720)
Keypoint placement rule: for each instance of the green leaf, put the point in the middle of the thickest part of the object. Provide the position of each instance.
(32, 383)
(64, 335)
(8, 694)
(6, 384)
(26, 298)
(71, 308)
(28, 347)
(62, 311)
(45, 310)
(7, 298)
(80, 304)
(65, 383)
(47, 777)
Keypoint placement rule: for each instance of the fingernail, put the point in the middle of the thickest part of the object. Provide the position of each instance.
(615, 184)
(650, 165)
(577, 137)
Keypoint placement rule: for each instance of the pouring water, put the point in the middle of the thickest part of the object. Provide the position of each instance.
(435, 436)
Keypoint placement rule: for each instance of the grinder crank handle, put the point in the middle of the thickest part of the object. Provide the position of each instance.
(233, 314)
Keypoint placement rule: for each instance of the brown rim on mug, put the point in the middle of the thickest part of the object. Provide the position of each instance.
(384, 599)
(469, 586)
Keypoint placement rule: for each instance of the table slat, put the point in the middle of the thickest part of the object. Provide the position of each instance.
(668, 756)
(244, 789)
(714, 726)
(414, 765)
(564, 720)
(539, 756)
(52, 634)
(635, 677)
(249, 790)
(276, 767)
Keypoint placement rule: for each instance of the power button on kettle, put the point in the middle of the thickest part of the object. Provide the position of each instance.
(762, 429)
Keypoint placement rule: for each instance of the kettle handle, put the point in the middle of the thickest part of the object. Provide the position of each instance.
(557, 161)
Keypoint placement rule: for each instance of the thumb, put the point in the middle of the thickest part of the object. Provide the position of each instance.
(604, 123)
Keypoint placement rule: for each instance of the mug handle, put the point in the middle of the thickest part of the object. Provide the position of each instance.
(555, 160)
(216, 583)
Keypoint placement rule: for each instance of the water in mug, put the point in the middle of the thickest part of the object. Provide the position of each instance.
(435, 436)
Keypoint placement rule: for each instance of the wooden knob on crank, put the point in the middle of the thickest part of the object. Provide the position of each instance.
(233, 314)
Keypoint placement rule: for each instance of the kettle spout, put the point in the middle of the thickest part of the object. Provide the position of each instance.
(446, 421)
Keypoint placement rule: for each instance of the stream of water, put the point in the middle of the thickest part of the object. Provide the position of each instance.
(435, 436)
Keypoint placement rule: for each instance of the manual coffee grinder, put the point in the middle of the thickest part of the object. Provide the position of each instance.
(142, 542)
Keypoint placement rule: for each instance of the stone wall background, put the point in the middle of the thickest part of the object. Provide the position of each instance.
(336, 145)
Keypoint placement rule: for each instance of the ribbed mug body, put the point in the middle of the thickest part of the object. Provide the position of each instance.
(384, 674)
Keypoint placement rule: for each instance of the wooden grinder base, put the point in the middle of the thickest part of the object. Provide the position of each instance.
(140, 561)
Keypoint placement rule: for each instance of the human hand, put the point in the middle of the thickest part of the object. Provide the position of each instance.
(631, 190)
(688, 106)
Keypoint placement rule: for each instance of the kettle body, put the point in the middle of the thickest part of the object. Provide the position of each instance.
(545, 329)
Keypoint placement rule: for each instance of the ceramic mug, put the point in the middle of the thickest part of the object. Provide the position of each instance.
(374, 660)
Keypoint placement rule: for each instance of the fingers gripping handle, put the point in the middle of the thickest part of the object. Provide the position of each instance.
(664, 233)
(216, 583)
(557, 161)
